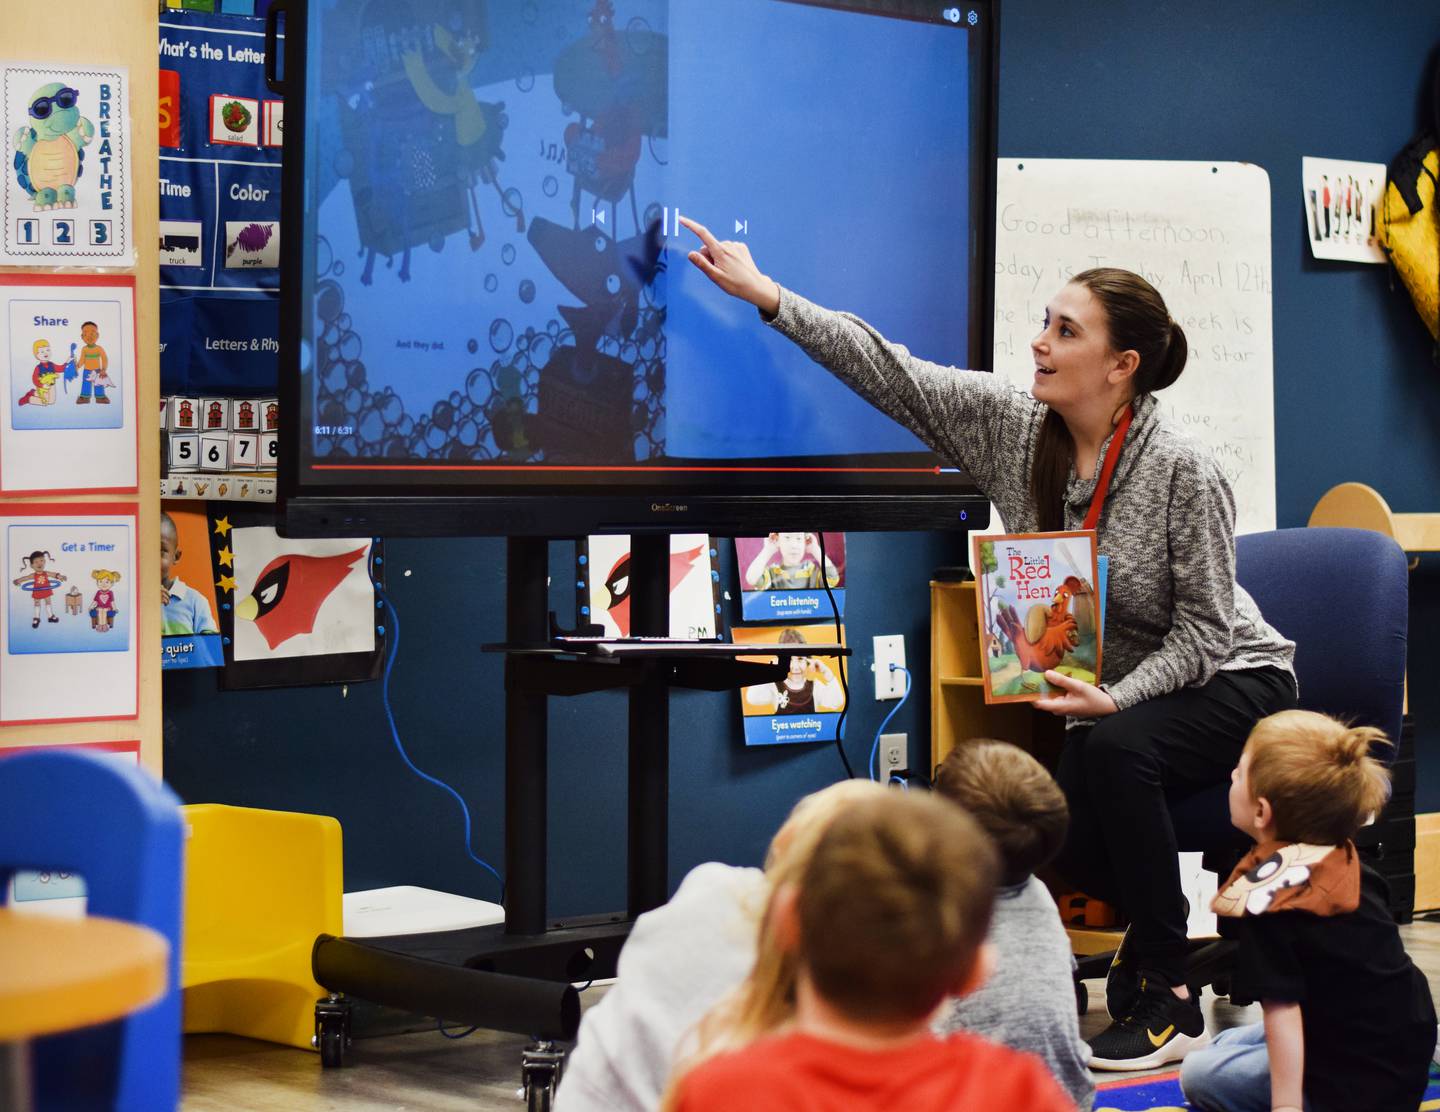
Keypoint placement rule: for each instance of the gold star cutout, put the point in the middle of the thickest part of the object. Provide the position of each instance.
(226, 582)
(226, 558)
(222, 525)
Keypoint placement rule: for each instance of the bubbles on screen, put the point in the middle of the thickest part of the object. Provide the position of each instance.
(638, 37)
(612, 283)
(527, 291)
(601, 242)
(324, 257)
(512, 201)
(525, 81)
(472, 345)
(502, 334)
(492, 283)
(507, 256)
(329, 300)
(550, 186)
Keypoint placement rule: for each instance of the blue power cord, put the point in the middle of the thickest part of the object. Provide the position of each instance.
(875, 749)
(395, 734)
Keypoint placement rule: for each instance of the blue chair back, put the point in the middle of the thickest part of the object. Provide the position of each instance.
(121, 830)
(1342, 595)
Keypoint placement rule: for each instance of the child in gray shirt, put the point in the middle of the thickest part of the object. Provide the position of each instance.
(1029, 1001)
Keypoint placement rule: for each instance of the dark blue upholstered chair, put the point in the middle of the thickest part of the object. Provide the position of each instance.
(1342, 595)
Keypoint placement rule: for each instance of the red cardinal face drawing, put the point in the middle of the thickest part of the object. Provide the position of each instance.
(618, 583)
(289, 592)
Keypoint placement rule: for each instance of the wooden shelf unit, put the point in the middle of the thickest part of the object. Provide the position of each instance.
(957, 697)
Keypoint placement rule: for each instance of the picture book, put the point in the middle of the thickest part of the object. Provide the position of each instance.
(1039, 610)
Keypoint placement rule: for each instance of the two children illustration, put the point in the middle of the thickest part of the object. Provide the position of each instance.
(42, 584)
(91, 363)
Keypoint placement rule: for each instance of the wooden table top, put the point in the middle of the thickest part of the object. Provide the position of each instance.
(58, 974)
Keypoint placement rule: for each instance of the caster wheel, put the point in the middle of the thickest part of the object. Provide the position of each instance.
(332, 1049)
(1082, 997)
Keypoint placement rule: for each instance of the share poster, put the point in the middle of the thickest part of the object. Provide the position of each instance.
(68, 628)
(221, 130)
(70, 419)
(67, 195)
(189, 634)
(805, 704)
(781, 577)
(603, 580)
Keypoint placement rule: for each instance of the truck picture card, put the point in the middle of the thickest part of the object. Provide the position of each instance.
(66, 199)
(68, 633)
(70, 420)
(1039, 602)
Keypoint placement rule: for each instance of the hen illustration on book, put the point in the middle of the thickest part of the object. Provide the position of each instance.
(1039, 611)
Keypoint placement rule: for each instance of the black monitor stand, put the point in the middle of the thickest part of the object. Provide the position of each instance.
(518, 977)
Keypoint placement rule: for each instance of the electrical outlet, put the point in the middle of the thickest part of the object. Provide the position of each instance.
(894, 755)
(889, 682)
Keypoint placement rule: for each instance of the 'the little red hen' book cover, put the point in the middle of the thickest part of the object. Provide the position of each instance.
(1039, 610)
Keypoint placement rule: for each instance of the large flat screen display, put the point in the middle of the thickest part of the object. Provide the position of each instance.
(493, 326)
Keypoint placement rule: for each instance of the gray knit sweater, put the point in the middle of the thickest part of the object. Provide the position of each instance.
(1174, 613)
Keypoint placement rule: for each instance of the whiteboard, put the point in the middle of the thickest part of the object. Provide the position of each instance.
(1200, 233)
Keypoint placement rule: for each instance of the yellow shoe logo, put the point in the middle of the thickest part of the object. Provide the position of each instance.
(1157, 1041)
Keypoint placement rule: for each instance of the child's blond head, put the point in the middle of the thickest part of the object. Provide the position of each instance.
(1318, 775)
(894, 905)
(1012, 797)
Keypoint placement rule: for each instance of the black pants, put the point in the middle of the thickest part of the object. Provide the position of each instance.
(1117, 776)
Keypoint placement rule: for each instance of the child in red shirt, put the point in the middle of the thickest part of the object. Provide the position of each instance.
(888, 919)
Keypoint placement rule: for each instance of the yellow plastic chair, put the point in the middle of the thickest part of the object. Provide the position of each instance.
(259, 886)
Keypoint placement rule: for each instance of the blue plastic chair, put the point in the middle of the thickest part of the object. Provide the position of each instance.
(120, 829)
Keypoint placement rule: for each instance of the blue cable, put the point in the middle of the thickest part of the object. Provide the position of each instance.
(395, 733)
(875, 749)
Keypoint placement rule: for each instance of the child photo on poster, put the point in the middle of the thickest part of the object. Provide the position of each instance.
(1039, 610)
(189, 634)
(603, 576)
(69, 420)
(781, 577)
(69, 630)
(805, 704)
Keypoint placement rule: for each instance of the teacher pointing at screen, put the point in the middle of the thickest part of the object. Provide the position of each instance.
(1190, 664)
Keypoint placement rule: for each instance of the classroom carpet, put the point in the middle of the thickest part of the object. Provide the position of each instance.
(1161, 1093)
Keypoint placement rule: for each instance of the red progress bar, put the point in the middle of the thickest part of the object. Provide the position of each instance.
(637, 467)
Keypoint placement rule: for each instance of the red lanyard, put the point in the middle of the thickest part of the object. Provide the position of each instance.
(1107, 469)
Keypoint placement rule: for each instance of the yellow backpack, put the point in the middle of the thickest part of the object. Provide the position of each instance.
(1412, 229)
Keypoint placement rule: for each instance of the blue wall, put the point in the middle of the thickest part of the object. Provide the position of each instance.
(1356, 398)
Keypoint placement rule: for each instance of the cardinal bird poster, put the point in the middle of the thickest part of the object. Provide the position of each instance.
(780, 576)
(293, 611)
(1040, 610)
(603, 576)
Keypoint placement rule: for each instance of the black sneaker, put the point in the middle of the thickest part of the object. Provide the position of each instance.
(1161, 1028)
(1122, 981)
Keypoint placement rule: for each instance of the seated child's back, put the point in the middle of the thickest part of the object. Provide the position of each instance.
(1028, 1003)
(889, 918)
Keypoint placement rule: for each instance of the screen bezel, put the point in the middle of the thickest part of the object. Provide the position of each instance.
(410, 507)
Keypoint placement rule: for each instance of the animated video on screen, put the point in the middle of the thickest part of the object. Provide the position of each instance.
(496, 273)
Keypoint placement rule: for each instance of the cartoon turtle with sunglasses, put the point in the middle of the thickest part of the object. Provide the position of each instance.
(49, 149)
